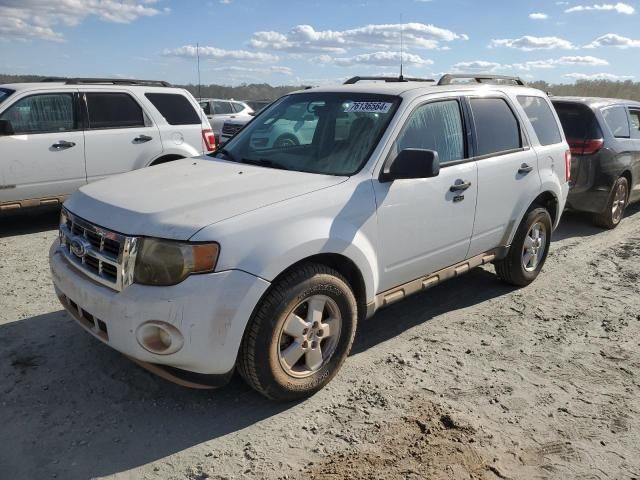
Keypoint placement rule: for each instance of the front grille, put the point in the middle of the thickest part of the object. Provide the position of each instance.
(103, 255)
(231, 129)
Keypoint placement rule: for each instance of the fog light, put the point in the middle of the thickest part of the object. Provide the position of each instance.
(159, 337)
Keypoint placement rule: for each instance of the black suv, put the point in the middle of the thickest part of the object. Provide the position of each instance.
(604, 137)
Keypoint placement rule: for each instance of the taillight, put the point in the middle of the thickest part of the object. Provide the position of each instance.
(209, 139)
(588, 146)
(567, 165)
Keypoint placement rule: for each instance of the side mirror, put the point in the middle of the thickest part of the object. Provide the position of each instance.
(6, 128)
(252, 114)
(413, 163)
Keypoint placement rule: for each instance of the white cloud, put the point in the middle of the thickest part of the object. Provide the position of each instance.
(529, 43)
(619, 7)
(614, 40)
(489, 67)
(380, 59)
(277, 69)
(39, 19)
(597, 76)
(538, 16)
(305, 38)
(477, 66)
(191, 51)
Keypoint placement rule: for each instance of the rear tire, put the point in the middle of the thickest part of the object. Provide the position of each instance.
(300, 334)
(616, 204)
(529, 249)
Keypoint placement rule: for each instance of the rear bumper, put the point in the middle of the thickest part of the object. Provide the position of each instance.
(210, 311)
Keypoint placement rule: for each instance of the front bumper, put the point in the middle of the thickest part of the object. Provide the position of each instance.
(210, 310)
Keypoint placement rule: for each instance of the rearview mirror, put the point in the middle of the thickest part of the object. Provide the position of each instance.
(6, 128)
(413, 163)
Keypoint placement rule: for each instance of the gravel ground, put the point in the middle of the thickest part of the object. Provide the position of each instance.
(473, 379)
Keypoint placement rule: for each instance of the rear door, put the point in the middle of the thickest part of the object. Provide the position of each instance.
(508, 176)
(44, 158)
(119, 135)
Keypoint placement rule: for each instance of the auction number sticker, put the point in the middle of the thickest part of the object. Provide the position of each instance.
(368, 107)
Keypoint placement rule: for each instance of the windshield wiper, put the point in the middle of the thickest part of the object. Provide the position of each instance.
(263, 162)
(226, 153)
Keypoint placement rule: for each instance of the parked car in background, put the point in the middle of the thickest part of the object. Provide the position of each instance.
(57, 136)
(604, 136)
(265, 257)
(218, 111)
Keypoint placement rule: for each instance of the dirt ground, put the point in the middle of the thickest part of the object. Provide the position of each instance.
(471, 380)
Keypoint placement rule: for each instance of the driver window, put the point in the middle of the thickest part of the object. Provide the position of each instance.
(42, 114)
(435, 126)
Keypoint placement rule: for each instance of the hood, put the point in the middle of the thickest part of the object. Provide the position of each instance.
(176, 199)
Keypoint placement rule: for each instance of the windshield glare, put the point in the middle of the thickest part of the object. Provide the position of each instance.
(4, 94)
(327, 133)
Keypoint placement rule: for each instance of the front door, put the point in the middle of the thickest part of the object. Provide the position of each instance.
(426, 224)
(44, 158)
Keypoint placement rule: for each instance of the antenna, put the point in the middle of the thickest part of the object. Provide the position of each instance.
(401, 78)
(198, 60)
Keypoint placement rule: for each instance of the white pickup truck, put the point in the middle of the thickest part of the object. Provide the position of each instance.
(265, 260)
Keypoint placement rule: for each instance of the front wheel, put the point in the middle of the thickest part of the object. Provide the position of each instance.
(529, 249)
(616, 204)
(300, 334)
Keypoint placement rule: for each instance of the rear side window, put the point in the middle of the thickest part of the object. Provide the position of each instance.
(435, 126)
(175, 108)
(578, 121)
(497, 128)
(237, 107)
(616, 119)
(42, 114)
(4, 94)
(542, 119)
(206, 108)
(634, 116)
(222, 108)
(113, 110)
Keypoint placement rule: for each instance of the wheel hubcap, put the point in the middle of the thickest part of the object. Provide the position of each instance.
(619, 201)
(535, 243)
(309, 336)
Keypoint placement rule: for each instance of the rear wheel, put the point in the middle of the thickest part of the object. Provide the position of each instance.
(300, 334)
(529, 249)
(616, 204)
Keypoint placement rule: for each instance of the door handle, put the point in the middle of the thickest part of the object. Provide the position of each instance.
(142, 139)
(62, 145)
(459, 187)
(524, 168)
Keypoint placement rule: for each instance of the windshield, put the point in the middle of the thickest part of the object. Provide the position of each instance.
(4, 94)
(327, 133)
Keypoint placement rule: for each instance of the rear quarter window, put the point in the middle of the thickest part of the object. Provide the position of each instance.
(616, 119)
(542, 120)
(497, 129)
(175, 108)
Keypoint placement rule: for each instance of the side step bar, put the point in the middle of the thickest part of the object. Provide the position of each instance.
(400, 292)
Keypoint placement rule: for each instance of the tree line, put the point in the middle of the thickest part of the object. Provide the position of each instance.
(263, 91)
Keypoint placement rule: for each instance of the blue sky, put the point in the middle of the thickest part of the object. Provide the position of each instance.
(319, 41)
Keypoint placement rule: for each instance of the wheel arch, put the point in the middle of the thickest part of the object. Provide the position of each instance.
(165, 158)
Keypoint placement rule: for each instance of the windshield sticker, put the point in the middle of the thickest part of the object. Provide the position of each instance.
(368, 107)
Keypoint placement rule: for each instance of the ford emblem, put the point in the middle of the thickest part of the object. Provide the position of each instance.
(79, 246)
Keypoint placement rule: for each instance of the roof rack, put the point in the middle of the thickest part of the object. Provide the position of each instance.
(450, 78)
(109, 81)
(401, 78)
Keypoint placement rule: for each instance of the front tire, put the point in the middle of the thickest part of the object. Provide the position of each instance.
(616, 204)
(529, 249)
(300, 334)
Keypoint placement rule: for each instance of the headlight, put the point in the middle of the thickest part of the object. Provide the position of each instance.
(164, 262)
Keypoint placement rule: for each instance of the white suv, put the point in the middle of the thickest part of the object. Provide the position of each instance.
(266, 259)
(58, 136)
(218, 111)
